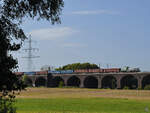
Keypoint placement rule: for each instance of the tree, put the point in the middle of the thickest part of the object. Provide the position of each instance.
(75, 66)
(12, 35)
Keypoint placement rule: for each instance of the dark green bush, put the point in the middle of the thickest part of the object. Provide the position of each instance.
(6, 105)
(61, 84)
(126, 87)
(147, 87)
(139, 88)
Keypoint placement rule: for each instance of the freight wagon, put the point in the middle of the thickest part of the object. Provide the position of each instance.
(109, 70)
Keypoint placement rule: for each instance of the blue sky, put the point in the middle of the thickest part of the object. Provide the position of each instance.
(114, 32)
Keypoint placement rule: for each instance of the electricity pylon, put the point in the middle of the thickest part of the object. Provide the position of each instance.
(30, 56)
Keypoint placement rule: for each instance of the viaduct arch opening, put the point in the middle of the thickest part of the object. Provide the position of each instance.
(73, 81)
(109, 82)
(146, 81)
(91, 82)
(49, 80)
(28, 81)
(129, 81)
(40, 81)
(56, 81)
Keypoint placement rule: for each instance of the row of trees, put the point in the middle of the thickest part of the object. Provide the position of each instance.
(75, 66)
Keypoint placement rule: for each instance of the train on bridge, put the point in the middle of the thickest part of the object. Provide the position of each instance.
(109, 70)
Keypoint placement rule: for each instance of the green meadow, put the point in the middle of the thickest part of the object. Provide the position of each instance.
(65, 100)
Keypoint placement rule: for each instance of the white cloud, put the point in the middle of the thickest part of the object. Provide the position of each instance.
(95, 12)
(52, 33)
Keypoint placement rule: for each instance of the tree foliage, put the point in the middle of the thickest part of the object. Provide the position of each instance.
(12, 13)
(6, 105)
(75, 66)
(42, 9)
(147, 87)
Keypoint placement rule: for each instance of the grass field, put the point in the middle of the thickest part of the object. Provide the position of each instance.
(76, 100)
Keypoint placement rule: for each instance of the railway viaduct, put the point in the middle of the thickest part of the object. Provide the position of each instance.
(94, 80)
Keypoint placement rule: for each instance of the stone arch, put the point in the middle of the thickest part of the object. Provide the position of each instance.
(40, 81)
(129, 81)
(73, 81)
(109, 82)
(145, 81)
(91, 82)
(56, 81)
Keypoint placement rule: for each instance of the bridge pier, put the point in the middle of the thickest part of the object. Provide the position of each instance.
(46, 82)
(118, 83)
(33, 78)
(99, 82)
(65, 82)
(139, 82)
(33, 84)
(81, 83)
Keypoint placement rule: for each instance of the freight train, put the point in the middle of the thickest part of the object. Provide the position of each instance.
(109, 70)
